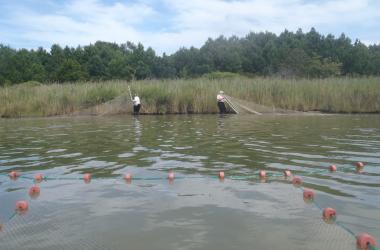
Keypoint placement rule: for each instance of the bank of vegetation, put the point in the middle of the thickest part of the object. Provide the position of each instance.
(292, 70)
(287, 55)
(198, 95)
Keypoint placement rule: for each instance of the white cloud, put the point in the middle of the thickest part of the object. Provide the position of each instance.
(272, 15)
(85, 21)
(186, 23)
(96, 12)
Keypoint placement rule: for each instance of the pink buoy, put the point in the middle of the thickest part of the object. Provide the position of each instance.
(287, 173)
(221, 175)
(87, 178)
(128, 178)
(22, 207)
(332, 168)
(38, 178)
(365, 241)
(329, 214)
(308, 195)
(297, 181)
(262, 174)
(14, 175)
(171, 176)
(34, 191)
(359, 166)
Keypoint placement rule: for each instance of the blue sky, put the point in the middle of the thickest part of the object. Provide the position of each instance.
(167, 25)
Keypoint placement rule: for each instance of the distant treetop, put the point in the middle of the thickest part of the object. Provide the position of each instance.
(289, 54)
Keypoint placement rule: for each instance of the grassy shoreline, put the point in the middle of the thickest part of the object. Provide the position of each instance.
(331, 95)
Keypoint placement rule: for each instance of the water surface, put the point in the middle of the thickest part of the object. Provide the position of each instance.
(196, 211)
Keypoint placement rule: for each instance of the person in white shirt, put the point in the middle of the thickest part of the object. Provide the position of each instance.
(221, 99)
(136, 105)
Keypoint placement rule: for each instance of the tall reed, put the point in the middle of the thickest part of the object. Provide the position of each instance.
(348, 95)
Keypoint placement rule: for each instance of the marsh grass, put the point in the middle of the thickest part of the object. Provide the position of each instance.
(346, 95)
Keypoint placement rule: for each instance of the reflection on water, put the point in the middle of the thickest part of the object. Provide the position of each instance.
(191, 213)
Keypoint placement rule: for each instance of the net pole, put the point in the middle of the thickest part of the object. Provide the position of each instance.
(231, 105)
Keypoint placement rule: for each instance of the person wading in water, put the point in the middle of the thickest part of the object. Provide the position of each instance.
(221, 99)
(136, 105)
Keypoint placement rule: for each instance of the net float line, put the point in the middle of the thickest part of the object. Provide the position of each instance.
(14, 175)
(364, 241)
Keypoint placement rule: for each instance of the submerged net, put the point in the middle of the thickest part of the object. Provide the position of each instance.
(148, 213)
(123, 105)
(119, 105)
(247, 107)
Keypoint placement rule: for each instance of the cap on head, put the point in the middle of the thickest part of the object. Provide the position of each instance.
(221, 92)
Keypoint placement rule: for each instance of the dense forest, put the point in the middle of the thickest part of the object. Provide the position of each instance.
(299, 54)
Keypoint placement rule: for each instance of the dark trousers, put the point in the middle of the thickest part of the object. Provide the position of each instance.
(222, 108)
(136, 108)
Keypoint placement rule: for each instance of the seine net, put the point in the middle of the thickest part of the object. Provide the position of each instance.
(119, 105)
(123, 105)
(247, 107)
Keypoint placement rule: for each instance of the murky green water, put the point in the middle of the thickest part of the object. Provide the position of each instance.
(196, 211)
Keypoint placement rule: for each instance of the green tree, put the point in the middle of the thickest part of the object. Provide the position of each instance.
(288, 54)
(374, 60)
(8, 71)
(296, 63)
(119, 68)
(70, 70)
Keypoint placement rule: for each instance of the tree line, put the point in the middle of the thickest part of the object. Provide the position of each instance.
(290, 54)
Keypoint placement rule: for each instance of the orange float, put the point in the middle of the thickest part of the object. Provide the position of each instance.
(171, 176)
(365, 241)
(22, 207)
(332, 168)
(128, 178)
(297, 181)
(87, 178)
(262, 174)
(14, 175)
(221, 175)
(287, 173)
(308, 195)
(34, 191)
(38, 178)
(329, 215)
(359, 166)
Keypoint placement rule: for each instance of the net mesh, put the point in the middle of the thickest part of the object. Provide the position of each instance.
(81, 219)
(123, 105)
(246, 107)
(119, 105)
